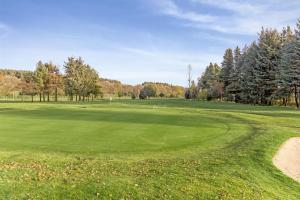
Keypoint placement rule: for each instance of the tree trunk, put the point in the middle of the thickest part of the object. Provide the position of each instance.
(31, 98)
(48, 97)
(296, 96)
(43, 96)
(55, 94)
(76, 98)
(285, 101)
(40, 97)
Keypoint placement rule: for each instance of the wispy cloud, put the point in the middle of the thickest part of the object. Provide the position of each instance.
(168, 7)
(220, 39)
(4, 30)
(246, 17)
(241, 7)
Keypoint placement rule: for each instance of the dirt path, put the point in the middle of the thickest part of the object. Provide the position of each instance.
(287, 158)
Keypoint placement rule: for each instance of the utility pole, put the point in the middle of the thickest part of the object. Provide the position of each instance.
(189, 75)
(189, 81)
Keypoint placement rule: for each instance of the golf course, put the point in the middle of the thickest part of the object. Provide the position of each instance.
(144, 149)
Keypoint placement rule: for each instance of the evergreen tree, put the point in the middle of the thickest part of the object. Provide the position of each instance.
(266, 63)
(290, 65)
(249, 89)
(234, 87)
(227, 71)
(283, 89)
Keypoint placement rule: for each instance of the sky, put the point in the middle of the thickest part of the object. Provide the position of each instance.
(135, 40)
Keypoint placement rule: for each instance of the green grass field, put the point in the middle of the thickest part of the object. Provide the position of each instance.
(153, 149)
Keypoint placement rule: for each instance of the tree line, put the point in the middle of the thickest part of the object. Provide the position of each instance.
(265, 72)
(78, 81)
(157, 89)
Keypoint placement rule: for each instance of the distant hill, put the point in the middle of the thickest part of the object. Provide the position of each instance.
(111, 87)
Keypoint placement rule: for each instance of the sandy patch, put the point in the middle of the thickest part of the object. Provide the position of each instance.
(287, 158)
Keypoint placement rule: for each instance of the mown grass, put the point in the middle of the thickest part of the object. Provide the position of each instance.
(153, 149)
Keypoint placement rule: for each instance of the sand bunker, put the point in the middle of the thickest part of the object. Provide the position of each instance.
(287, 158)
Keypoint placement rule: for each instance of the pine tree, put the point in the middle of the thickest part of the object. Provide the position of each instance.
(211, 74)
(266, 64)
(234, 88)
(227, 71)
(249, 89)
(290, 62)
(283, 90)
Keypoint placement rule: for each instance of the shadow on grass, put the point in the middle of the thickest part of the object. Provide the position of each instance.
(180, 103)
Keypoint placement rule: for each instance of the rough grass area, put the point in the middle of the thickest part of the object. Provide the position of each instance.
(152, 149)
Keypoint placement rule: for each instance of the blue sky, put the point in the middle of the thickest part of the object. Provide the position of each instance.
(134, 40)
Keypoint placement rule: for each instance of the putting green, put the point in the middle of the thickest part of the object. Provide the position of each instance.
(112, 129)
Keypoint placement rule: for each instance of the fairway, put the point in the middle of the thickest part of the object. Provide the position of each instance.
(144, 149)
